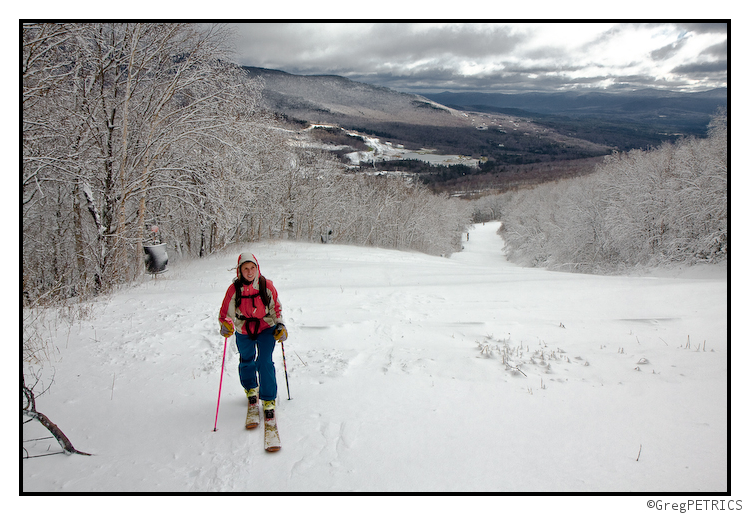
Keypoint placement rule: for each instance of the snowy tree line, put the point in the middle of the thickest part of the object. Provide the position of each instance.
(132, 125)
(641, 208)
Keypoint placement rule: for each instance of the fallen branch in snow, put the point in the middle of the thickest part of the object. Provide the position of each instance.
(30, 411)
(56, 432)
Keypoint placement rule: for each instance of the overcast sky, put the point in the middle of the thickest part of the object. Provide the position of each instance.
(494, 57)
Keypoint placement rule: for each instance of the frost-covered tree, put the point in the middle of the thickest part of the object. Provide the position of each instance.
(487, 208)
(122, 123)
(641, 208)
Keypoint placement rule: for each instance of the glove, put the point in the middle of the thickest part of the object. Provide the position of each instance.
(226, 329)
(280, 334)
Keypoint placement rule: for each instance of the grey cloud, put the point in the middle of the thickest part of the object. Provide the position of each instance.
(538, 68)
(407, 42)
(668, 51)
(418, 57)
(719, 50)
(605, 36)
(702, 68)
(375, 47)
(704, 28)
(506, 81)
(695, 28)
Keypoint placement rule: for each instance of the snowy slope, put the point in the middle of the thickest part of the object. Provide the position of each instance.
(402, 373)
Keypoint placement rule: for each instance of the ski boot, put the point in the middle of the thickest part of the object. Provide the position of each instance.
(269, 408)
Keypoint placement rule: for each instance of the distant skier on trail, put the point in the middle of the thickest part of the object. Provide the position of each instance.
(252, 310)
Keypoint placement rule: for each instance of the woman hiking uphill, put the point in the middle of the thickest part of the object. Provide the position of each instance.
(251, 308)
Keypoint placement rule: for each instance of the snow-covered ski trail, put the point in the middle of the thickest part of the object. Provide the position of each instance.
(388, 353)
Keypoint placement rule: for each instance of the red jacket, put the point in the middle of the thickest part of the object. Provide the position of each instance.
(251, 308)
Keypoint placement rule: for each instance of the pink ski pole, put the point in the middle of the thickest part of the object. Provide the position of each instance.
(221, 380)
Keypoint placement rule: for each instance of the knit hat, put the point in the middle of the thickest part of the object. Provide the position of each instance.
(244, 258)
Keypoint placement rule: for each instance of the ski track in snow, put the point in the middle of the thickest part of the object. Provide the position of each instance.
(407, 373)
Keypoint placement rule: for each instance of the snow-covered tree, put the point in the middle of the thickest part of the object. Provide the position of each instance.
(641, 208)
(122, 122)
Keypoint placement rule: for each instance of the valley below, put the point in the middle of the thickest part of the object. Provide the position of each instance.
(473, 143)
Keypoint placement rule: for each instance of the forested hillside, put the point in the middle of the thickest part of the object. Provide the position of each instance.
(641, 208)
(136, 133)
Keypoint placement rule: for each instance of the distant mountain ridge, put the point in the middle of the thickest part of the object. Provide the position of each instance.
(686, 110)
(335, 99)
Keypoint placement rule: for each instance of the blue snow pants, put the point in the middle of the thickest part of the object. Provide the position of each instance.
(256, 361)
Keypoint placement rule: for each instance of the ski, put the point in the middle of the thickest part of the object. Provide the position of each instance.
(271, 435)
(253, 416)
